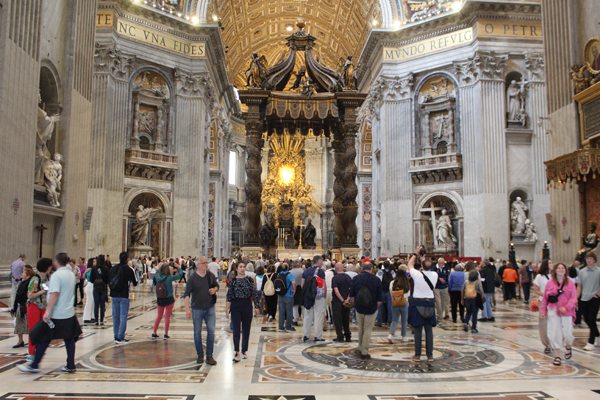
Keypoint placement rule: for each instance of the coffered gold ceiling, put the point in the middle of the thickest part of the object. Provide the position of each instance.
(341, 27)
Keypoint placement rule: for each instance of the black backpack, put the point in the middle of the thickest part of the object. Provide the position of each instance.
(310, 288)
(99, 285)
(386, 280)
(280, 284)
(116, 279)
(364, 298)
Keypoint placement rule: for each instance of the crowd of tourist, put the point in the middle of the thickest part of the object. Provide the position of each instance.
(414, 294)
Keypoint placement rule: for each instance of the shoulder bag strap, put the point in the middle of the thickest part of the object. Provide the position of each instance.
(427, 280)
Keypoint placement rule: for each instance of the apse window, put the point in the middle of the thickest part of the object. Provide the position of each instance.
(232, 168)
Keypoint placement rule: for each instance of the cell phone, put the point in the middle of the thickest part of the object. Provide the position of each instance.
(423, 251)
(45, 286)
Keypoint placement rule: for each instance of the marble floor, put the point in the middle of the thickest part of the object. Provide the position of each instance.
(505, 360)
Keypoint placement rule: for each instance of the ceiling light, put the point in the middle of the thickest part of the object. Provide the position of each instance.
(195, 19)
(457, 5)
(289, 28)
(374, 22)
(215, 18)
(396, 24)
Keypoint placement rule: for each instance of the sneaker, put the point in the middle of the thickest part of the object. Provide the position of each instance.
(378, 324)
(482, 320)
(102, 323)
(348, 340)
(466, 327)
(292, 329)
(338, 340)
(282, 330)
(27, 368)
(295, 323)
(319, 340)
(154, 336)
(121, 341)
(365, 356)
(97, 324)
(68, 370)
(87, 321)
(167, 336)
(237, 358)
(492, 319)
(447, 317)
(406, 339)
(30, 357)
(390, 339)
(305, 339)
(200, 359)
(416, 358)
(244, 356)
(270, 319)
(211, 361)
(429, 359)
(474, 330)
(589, 347)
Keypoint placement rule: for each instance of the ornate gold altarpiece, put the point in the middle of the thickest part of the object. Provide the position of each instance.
(325, 104)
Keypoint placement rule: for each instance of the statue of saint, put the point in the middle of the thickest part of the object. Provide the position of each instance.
(530, 231)
(268, 234)
(299, 77)
(139, 229)
(257, 71)
(347, 72)
(590, 242)
(52, 179)
(445, 237)
(309, 234)
(515, 102)
(45, 128)
(518, 216)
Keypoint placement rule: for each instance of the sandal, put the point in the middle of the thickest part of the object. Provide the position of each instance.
(568, 354)
(557, 361)
(547, 350)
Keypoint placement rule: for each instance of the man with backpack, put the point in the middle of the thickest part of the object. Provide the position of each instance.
(118, 280)
(367, 295)
(314, 289)
(387, 276)
(285, 287)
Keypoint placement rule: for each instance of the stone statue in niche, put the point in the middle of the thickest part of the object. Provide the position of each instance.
(530, 231)
(518, 216)
(515, 102)
(590, 243)
(139, 230)
(444, 236)
(309, 234)
(45, 128)
(52, 179)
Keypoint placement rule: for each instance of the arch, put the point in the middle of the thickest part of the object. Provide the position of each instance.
(453, 196)
(519, 192)
(50, 86)
(168, 80)
(133, 193)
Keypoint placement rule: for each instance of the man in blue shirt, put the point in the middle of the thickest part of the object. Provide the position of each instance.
(365, 316)
(441, 294)
(286, 301)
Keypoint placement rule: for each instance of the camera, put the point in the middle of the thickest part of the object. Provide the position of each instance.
(422, 252)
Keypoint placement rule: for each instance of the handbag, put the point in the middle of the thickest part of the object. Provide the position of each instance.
(398, 299)
(554, 298)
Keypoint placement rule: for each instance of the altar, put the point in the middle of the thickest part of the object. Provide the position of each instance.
(295, 254)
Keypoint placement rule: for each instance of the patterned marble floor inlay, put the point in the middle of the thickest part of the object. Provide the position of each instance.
(281, 397)
(70, 396)
(477, 396)
(456, 357)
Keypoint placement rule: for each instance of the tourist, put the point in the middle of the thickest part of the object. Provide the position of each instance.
(88, 310)
(213, 267)
(525, 278)
(340, 304)
(258, 280)
(61, 314)
(351, 271)
(588, 294)
(286, 300)
(455, 284)
(386, 275)
(488, 281)
(442, 296)
(329, 295)
(19, 310)
(16, 271)
(559, 302)
(297, 271)
(152, 272)
(400, 288)
(37, 299)
(240, 293)
(510, 278)
(268, 290)
(421, 310)
(314, 289)
(539, 287)
(77, 273)
(472, 288)
(200, 298)
(164, 295)
(122, 276)
(99, 277)
(80, 281)
(367, 295)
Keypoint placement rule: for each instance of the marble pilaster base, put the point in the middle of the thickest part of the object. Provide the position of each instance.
(138, 251)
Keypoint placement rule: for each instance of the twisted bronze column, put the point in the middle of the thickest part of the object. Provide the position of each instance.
(253, 187)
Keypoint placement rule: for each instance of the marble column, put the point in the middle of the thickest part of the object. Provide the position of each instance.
(253, 187)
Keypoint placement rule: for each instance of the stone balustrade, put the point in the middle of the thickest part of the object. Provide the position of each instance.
(436, 168)
(148, 164)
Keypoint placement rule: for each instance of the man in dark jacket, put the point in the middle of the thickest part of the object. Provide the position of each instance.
(118, 281)
(489, 286)
(365, 316)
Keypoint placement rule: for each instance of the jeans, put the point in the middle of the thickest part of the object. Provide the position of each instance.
(285, 312)
(397, 313)
(120, 308)
(589, 311)
(41, 347)
(456, 305)
(210, 318)
(387, 301)
(487, 306)
(526, 291)
(341, 320)
(100, 302)
(428, 340)
(241, 314)
(472, 311)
